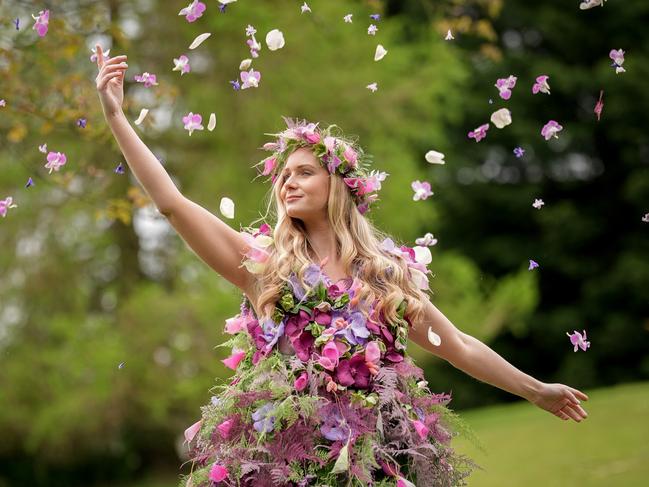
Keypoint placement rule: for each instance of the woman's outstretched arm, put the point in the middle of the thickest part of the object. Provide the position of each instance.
(476, 359)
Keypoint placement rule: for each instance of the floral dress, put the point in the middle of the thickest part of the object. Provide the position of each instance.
(323, 395)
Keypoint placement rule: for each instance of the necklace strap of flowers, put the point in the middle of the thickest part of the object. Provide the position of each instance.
(337, 154)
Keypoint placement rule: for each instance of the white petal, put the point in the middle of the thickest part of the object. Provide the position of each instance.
(501, 118)
(212, 123)
(227, 208)
(225, 2)
(380, 53)
(245, 65)
(275, 40)
(143, 114)
(433, 337)
(435, 157)
(422, 255)
(199, 40)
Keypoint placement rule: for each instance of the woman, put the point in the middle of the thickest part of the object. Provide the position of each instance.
(324, 392)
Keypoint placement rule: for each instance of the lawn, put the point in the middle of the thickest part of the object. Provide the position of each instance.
(529, 447)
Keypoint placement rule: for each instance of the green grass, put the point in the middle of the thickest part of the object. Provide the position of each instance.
(527, 446)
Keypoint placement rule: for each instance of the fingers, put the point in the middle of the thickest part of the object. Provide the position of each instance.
(579, 394)
(101, 84)
(570, 410)
(100, 56)
(562, 415)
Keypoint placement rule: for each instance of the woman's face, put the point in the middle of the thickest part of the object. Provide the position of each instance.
(304, 186)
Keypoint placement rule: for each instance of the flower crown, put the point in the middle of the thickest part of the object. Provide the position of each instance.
(339, 156)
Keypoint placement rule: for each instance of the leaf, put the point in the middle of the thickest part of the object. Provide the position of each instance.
(342, 462)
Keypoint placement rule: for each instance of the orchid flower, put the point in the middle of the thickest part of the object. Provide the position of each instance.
(505, 85)
(192, 122)
(538, 203)
(617, 55)
(533, 265)
(193, 11)
(422, 190)
(182, 64)
(541, 85)
(371, 30)
(146, 78)
(105, 55)
(518, 152)
(427, 240)
(501, 118)
(42, 22)
(551, 129)
(479, 133)
(250, 79)
(5, 204)
(55, 160)
(305, 8)
(348, 18)
(579, 340)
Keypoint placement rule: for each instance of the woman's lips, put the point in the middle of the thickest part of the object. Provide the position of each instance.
(292, 198)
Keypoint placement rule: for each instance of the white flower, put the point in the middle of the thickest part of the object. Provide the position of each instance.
(305, 8)
(275, 40)
(434, 157)
(227, 208)
(380, 53)
(372, 87)
(348, 18)
(428, 240)
(501, 118)
(422, 255)
(538, 203)
(588, 4)
(449, 36)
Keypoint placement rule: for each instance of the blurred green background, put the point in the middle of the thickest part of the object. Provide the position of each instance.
(91, 277)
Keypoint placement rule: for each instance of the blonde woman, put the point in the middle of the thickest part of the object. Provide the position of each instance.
(324, 391)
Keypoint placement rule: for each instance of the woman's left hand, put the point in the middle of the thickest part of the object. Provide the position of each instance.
(562, 401)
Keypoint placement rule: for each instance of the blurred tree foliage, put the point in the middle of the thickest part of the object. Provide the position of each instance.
(108, 321)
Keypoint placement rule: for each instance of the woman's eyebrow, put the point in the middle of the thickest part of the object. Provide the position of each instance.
(299, 166)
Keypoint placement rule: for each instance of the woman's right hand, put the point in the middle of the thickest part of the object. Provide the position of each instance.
(110, 82)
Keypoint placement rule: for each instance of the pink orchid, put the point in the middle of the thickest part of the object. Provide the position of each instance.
(617, 56)
(301, 382)
(479, 133)
(330, 355)
(233, 361)
(421, 428)
(505, 86)
(105, 55)
(258, 246)
(193, 11)
(192, 122)
(192, 430)
(250, 79)
(330, 143)
(225, 427)
(42, 22)
(422, 190)
(148, 79)
(182, 64)
(578, 340)
(218, 473)
(5, 205)
(551, 129)
(55, 160)
(541, 85)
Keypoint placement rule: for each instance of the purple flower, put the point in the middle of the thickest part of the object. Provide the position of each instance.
(235, 84)
(263, 422)
(375, 17)
(617, 55)
(146, 78)
(192, 122)
(353, 329)
(272, 331)
(519, 151)
(479, 133)
(82, 123)
(541, 85)
(119, 169)
(182, 64)
(505, 86)
(533, 265)
(371, 30)
(250, 79)
(422, 190)
(313, 275)
(578, 340)
(55, 160)
(193, 11)
(30, 182)
(334, 427)
(298, 291)
(17, 23)
(353, 372)
(551, 129)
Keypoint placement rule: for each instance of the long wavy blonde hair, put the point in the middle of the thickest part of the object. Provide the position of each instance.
(384, 276)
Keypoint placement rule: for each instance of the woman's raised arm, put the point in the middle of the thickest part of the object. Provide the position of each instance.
(217, 244)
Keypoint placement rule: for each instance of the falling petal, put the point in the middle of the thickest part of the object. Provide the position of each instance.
(199, 40)
(501, 118)
(227, 208)
(600, 105)
(245, 64)
(143, 114)
(434, 157)
(433, 337)
(30, 182)
(538, 203)
(43, 148)
(449, 36)
(121, 365)
(275, 40)
(380, 53)
(212, 123)
(372, 87)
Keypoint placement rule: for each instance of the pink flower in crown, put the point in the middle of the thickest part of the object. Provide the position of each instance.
(308, 133)
(329, 356)
(301, 382)
(105, 55)
(351, 156)
(479, 133)
(5, 204)
(55, 160)
(190, 432)
(505, 86)
(421, 428)
(269, 165)
(541, 85)
(551, 129)
(235, 325)
(192, 121)
(146, 78)
(218, 473)
(42, 22)
(250, 79)
(225, 427)
(330, 143)
(193, 11)
(233, 361)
